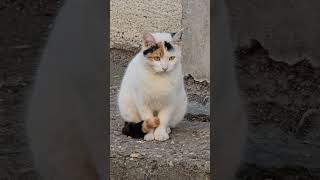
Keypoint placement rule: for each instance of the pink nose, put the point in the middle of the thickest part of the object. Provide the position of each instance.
(164, 68)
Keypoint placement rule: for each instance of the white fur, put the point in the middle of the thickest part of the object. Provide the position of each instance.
(145, 88)
(162, 37)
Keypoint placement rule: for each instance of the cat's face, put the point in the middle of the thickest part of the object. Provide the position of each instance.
(162, 51)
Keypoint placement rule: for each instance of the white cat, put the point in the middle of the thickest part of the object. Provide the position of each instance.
(153, 84)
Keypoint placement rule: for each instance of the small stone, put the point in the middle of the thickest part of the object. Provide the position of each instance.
(170, 163)
(135, 155)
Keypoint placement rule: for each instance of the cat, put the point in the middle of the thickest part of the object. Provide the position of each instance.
(230, 120)
(66, 114)
(153, 84)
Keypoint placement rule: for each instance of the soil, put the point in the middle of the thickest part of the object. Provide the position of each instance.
(283, 107)
(23, 33)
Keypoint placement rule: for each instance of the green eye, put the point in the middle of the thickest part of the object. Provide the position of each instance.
(171, 58)
(157, 58)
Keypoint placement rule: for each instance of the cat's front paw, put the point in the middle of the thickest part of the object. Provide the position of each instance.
(148, 137)
(161, 134)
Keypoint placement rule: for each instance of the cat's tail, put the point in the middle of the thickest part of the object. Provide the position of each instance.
(150, 124)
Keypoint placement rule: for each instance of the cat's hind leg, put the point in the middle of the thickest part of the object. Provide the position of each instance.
(128, 109)
(178, 114)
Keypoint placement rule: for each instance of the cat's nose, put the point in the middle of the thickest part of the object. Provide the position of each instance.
(164, 68)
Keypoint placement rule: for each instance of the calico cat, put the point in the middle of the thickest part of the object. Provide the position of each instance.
(229, 117)
(66, 116)
(153, 84)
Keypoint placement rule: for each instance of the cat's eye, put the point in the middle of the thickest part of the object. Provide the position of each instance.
(171, 58)
(157, 58)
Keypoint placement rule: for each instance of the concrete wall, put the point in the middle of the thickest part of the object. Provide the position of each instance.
(289, 29)
(196, 38)
(129, 19)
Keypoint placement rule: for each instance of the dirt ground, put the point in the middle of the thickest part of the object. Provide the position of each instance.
(283, 107)
(283, 100)
(23, 32)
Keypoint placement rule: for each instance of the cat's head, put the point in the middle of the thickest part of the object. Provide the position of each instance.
(162, 51)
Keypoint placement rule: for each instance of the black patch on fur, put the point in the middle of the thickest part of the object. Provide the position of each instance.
(172, 34)
(133, 129)
(168, 46)
(151, 49)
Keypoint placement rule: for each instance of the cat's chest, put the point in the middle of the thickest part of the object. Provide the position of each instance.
(159, 87)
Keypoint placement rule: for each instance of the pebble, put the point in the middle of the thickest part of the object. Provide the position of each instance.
(170, 163)
(135, 155)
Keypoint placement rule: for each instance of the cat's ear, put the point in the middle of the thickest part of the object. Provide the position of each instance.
(148, 39)
(177, 37)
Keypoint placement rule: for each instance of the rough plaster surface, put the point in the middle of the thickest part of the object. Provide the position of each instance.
(129, 19)
(289, 29)
(196, 40)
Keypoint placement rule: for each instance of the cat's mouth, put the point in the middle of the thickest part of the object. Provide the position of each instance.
(162, 72)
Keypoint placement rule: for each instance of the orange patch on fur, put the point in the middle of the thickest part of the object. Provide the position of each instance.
(157, 53)
(150, 124)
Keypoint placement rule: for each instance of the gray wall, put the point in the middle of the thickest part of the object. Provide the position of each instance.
(196, 38)
(289, 29)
